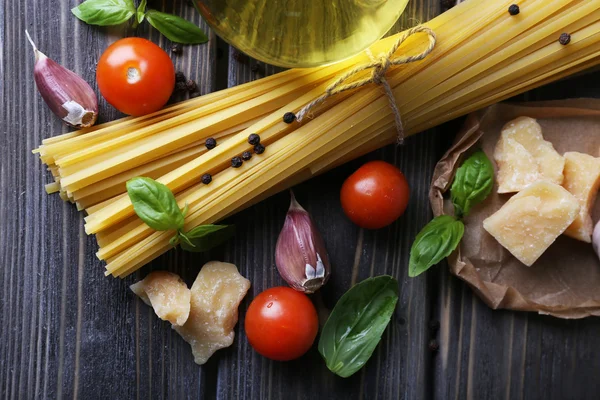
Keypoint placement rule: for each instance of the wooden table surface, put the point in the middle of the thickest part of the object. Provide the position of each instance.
(68, 331)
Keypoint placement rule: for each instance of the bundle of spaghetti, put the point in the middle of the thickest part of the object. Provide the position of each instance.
(86, 164)
(483, 55)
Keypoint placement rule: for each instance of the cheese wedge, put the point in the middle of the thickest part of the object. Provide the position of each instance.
(216, 295)
(582, 180)
(167, 294)
(524, 157)
(532, 220)
(516, 166)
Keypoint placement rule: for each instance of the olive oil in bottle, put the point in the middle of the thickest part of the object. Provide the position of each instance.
(301, 33)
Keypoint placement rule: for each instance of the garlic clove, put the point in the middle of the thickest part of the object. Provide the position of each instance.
(66, 93)
(596, 239)
(300, 254)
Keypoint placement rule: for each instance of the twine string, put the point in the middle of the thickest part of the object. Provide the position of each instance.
(379, 66)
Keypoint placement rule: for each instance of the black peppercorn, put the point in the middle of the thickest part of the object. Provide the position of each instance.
(289, 117)
(236, 162)
(179, 76)
(239, 57)
(246, 155)
(564, 39)
(259, 149)
(210, 143)
(433, 345)
(434, 326)
(253, 139)
(191, 85)
(514, 9)
(206, 179)
(180, 87)
(193, 95)
(176, 48)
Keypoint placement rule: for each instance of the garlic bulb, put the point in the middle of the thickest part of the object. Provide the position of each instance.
(65, 92)
(300, 254)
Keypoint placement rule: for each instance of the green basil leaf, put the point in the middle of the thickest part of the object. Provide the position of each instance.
(155, 204)
(436, 241)
(356, 324)
(175, 28)
(104, 12)
(205, 237)
(472, 184)
(181, 237)
(141, 12)
(174, 241)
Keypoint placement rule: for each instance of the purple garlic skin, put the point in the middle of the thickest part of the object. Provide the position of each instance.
(66, 93)
(596, 239)
(300, 254)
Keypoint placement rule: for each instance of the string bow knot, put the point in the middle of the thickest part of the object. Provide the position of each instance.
(382, 65)
(379, 67)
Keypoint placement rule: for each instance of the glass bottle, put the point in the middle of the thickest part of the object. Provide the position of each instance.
(301, 33)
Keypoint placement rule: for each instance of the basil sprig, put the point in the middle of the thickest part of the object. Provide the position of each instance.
(436, 241)
(473, 182)
(440, 237)
(104, 12)
(155, 204)
(175, 28)
(205, 237)
(141, 12)
(115, 12)
(356, 324)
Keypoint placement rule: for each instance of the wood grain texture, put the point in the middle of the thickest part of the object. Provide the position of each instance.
(66, 331)
(400, 364)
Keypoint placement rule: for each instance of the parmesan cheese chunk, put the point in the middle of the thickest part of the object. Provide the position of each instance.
(516, 166)
(216, 295)
(167, 294)
(582, 179)
(532, 220)
(524, 157)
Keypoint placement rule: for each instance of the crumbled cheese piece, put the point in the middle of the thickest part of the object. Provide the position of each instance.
(532, 220)
(516, 166)
(524, 157)
(167, 294)
(216, 295)
(582, 179)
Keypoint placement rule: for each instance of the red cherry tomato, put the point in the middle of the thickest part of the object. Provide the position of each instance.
(135, 76)
(375, 195)
(281, 323)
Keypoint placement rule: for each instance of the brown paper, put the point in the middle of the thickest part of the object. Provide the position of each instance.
(565, 281)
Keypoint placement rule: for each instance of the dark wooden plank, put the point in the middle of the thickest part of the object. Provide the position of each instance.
(487, 354)
(398, 370)
(67, 331)
(399, 366)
